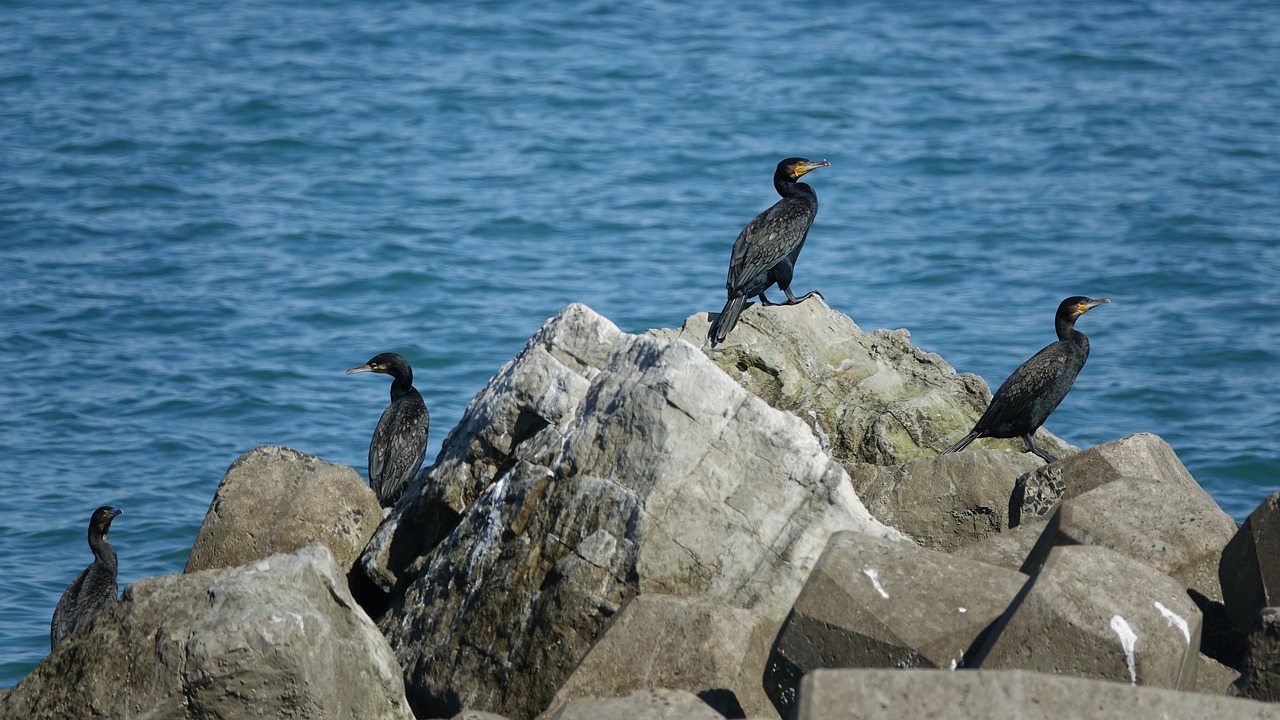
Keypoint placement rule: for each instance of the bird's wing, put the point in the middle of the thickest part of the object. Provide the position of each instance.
(767, 239)
(1034, 380)
(395, 453)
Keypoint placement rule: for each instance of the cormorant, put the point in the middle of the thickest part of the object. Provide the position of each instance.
(1025, 400)
(766, 250)
(400, 440)
(95, 588)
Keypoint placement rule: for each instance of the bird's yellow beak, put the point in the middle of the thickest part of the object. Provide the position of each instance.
(806, 168)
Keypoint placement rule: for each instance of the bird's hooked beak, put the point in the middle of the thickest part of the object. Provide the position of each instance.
(362, 368)
(1085, 307)
(808, 167)
(114, 514)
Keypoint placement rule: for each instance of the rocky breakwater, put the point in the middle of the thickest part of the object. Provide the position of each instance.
(635, 526)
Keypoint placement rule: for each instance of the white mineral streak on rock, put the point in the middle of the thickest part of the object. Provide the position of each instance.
(823, 439)
(875, 582)
(1128, 640)
(1175, 619)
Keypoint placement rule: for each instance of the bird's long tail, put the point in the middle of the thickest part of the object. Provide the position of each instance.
(728, 317)
(964, 442)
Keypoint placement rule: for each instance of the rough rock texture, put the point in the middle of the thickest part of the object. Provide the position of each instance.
(874, 603)
(871, 397)
(275, 500)
(986, 694)
(1171, 527)
(616, 465)
(653, 704)
(1093, 612)
(1137, 456)
(1008, 549)
(944, 502)
(281, 637)
(1214, 678)
(1249, 568)
(661, 641)
(1260, 679)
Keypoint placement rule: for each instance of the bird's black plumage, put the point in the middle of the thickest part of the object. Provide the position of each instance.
(1027, 398)
(95, 588)
(400, 439)
(766, 250)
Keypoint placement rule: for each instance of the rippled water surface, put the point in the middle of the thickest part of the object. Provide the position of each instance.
(209, 210)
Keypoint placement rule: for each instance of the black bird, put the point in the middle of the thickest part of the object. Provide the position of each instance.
(400, 440)
(766, 250)
(1025, 400)
(95, 588)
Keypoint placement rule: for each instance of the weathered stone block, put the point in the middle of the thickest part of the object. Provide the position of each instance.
(1249, 569)
(944, 502)
(1167, 526)
(275, 500)
(986, 694)
(703, 646)
(653, 704)
(279, 637)
(1142, 455)
(1092, 612)
(876, 603)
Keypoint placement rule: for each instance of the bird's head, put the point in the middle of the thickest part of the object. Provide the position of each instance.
(384, 363)
(795, 167)
(1077, 305)
(101, 519)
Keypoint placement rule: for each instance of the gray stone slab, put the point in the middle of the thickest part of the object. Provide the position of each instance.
(987, 694)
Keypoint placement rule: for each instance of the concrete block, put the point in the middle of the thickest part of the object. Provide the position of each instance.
(986, 694)
(1092, 612)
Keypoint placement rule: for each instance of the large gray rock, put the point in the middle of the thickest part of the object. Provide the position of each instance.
(1249, 568)
(1170, 527)
(985, 694)
(628, 465)
(1142, 455)
(944, 502)
(651, 704)
(1093, 612)
(874, 603)
(693, 644)
(871, 397)
(281, 637)
(275, 500)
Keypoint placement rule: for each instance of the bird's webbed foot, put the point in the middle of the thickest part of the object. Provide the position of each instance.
(766, 301)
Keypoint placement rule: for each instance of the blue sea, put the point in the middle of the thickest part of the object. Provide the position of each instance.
(208, 211)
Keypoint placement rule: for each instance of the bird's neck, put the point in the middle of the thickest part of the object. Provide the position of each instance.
(792, 188)
(1068, 333)
(401, 385)
(103, 551)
